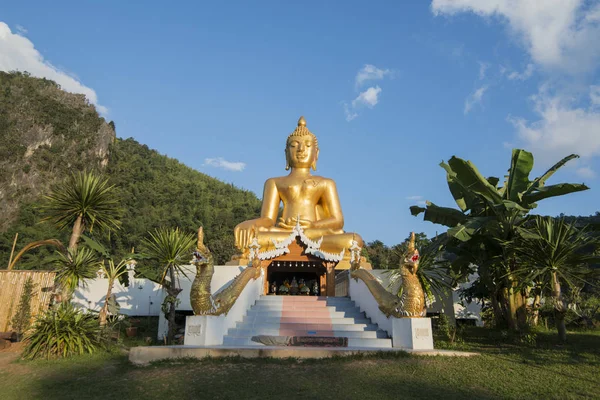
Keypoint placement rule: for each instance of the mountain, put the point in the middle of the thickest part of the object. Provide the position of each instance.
(47, 133)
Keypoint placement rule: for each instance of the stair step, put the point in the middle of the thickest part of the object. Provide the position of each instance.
(308, 327)
(352, 342)
(303, 320)
(234, 332)
(353, 313)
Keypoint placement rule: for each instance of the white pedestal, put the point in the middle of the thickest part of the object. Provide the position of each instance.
(412, 333)
(195, 330)
(205, 330)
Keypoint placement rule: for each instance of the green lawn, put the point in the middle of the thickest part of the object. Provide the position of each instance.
(544, 370)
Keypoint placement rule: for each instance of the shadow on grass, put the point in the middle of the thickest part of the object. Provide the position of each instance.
(503, 370)
(378, 377)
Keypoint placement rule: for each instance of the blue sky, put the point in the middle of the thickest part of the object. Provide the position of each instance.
(390, 89)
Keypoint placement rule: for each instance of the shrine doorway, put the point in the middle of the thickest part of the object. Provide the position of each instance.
(308, 271)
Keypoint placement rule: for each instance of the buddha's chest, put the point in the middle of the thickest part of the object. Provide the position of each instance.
(307, 189)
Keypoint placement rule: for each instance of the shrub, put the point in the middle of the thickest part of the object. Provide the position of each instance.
(22, 318)
(63, 332)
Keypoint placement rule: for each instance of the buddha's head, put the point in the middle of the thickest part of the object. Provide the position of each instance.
(302, 148)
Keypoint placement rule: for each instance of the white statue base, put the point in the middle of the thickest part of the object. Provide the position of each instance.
(204, 330)
(412, 333)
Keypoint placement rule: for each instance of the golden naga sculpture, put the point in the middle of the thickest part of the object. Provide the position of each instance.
(411, 302)
(312, 201)
(201, 299)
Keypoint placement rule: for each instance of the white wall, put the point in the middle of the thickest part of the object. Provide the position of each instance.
(141, 298)
(360, 294)
(144, 297)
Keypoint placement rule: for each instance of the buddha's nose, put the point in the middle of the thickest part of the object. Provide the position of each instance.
(301, 147)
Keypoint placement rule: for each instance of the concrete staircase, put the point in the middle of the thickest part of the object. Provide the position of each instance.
(307, 316)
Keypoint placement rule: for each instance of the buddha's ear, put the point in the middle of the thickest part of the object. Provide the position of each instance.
(287, 160)
(314, 163)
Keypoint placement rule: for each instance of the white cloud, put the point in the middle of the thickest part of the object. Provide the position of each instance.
(369, 98)
(17, 53)
(220, 162)
(586, 172)
(563, 127)
(595, 95)
(526, 74)
(560, 34)
(21, 29)
(370, 73)
(414, 197)
(350, 115)
(482, 69)
(474, 98)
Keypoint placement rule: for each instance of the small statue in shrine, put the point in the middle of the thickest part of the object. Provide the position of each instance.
(315, 288)
(294, 286)
(274, 288)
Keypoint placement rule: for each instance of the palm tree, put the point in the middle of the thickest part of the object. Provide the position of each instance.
(83, 201)
(555, 253)
(113, 273)
(171, 248)
(73, 267)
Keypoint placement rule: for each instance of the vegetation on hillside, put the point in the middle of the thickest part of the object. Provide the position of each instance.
(46, 133)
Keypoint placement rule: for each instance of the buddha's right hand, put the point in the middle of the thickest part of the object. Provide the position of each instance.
(244, 232)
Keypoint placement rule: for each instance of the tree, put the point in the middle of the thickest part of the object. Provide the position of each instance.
(83, 201)
(73, 267)
(555, 254)
(488, 216)
(170, 248)
(113, 273)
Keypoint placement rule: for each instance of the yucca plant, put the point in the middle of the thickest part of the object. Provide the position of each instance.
(82, 202)
(554, 254)
(170, 248)
(113, 273)
(73, 267)
(63, 332)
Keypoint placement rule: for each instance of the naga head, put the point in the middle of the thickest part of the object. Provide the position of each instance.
(410, 262)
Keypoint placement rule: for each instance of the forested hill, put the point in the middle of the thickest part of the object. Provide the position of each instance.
(46, 133)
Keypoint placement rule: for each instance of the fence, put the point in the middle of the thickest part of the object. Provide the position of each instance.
(11, 287)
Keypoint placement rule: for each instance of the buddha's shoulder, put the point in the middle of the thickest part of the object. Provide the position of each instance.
(322, 180)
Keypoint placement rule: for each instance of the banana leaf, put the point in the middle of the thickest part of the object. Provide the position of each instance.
(521, 165)
(472, 180)
(439, 215)
(545, 192)
(465, 231)
(540, 181)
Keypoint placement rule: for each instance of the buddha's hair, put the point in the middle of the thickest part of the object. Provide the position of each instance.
(302, 130)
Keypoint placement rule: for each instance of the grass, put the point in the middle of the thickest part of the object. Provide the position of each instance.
(504, 369)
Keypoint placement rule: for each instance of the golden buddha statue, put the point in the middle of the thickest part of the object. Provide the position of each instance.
(312, 201)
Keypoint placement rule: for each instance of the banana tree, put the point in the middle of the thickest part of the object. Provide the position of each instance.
(488, 216)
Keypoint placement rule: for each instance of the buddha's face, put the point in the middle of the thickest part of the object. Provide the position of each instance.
(302, 152)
